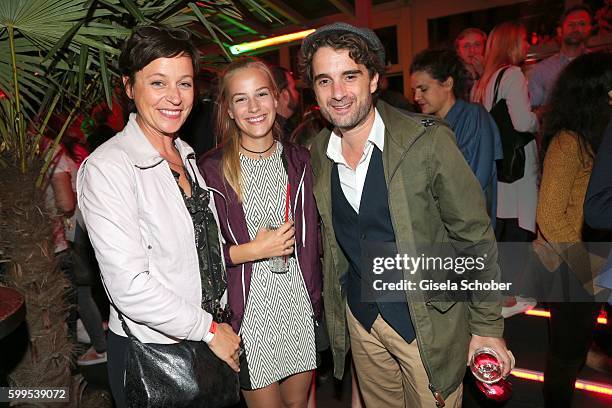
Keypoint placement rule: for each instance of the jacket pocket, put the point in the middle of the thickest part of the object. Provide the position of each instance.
(442, 302)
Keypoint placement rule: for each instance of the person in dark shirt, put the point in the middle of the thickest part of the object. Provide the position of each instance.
(598, 202)
(288, 100)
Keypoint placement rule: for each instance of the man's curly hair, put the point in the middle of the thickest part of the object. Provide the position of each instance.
(359, 50)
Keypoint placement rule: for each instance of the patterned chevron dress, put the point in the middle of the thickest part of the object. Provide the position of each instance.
(278, 329)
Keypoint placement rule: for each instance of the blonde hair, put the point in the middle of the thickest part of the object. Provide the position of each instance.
(504, 47)
(227, 128)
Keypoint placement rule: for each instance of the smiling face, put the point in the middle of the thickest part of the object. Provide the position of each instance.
(163, 94)
(252, 104)
(343, 87)
(432, 96)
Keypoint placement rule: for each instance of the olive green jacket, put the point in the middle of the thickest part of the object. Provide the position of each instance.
(433, 197)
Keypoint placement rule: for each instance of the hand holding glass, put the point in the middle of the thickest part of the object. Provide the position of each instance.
(279, 264)
(486, 367)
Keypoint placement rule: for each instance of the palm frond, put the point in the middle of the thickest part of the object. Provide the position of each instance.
(62, 47)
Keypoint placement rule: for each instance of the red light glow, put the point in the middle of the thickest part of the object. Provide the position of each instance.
(590, 386)
(601, 319)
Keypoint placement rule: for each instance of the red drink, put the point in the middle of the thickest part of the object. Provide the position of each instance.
(486, 367)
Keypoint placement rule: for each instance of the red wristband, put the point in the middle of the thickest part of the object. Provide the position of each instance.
(213, 327)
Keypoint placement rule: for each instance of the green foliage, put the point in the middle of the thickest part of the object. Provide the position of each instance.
(60, 55)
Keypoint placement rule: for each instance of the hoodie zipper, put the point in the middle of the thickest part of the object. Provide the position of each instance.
(300, 190)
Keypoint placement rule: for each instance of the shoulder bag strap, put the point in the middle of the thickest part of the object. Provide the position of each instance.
(497, 82)
(123, 324)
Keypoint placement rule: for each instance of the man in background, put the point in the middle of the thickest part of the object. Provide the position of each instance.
(574, 31)
(470, 45)
(288, 99)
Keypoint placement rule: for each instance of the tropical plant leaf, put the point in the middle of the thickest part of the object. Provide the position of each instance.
(62, 41)
(171, 8)
(270, 17)
(209, 27)
(65, 51)
(105, 79)
(134, 10)
(83, 55)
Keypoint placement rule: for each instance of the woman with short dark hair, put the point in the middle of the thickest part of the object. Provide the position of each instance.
(149, 214)
(440, 86)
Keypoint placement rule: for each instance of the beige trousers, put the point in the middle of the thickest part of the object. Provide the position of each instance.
(389, 370)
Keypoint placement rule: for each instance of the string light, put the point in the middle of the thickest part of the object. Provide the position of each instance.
(281, 39)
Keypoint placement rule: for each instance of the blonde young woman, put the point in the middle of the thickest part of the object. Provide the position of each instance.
(516, 202)
(263, 183)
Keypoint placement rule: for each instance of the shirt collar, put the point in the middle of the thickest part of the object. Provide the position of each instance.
(376, 137)
(139, 149)
(455, 110)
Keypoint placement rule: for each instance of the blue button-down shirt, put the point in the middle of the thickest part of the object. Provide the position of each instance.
(543, 76)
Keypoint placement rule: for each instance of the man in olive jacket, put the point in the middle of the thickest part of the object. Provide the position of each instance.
(413, 352)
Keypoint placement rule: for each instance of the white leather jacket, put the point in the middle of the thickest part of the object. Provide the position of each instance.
(143, 237)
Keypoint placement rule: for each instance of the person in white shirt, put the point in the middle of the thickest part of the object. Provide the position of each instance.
(61, 198)
(148, 211)
(516, 202)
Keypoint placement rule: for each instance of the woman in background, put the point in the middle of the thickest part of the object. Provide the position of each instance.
(573, 127)
(440, 81)
(516, 202)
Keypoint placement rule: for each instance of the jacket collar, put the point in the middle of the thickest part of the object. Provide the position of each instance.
(401, 131)
(141, 152)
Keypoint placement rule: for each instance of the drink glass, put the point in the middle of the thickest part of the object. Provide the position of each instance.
(485, 365)
(487, 369)
(278, 264)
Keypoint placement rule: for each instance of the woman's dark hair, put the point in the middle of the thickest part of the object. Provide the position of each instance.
(280, 76)
(575, 8)
(442, 64)
(579, 101)
(150, 42)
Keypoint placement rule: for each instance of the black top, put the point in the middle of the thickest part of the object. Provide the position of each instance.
(287, 126)
(361, 235)
(207, 245)
(598, 202)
